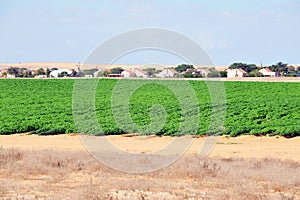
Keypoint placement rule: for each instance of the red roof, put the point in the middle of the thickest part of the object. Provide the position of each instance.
(268, 70)
(241, 70)
(140, 70)
(174, 71)
(130, 72)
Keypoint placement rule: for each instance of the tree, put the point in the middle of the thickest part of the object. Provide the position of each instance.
(280, 67)
(246, 67)
(255, 73)
(48, 72)
(213, 73)
(150, 71)
(188, 75)
(290, 68)
(41, 71)
(14, 71)
(104, 73)
(25, 73)
(74, 73)
(117, 70)
(223, 73)
(183, 67)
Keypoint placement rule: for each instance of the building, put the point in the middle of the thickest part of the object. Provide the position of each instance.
(127, 73)
(267, 72)
(57, 73)
(236, 73)
(167, 73)
(203, 71)
(10, 75)
(40, 76)
(140, 73)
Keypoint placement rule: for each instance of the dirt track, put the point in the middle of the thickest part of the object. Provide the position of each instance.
(242, 147)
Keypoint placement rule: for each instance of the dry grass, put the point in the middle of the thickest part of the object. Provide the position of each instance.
(49, 174)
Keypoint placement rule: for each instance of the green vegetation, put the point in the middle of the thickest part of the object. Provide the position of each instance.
(282, 69)
(184, 67)
(45, 107)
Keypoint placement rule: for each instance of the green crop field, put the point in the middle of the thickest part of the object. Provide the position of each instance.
(46, 107)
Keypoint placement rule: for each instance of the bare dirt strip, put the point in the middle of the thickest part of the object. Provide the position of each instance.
(59, 167)
(243, 146)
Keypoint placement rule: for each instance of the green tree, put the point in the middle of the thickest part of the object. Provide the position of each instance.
(63, 74)
(255, 73)
(213, 73)
(223, 73)
(48, 72)
(183, 67)
(246, 67)
(117, 70)
(150, 71)
(279, 67)
(25, 73)
(41, 71)
(188, 75)
(14, 71)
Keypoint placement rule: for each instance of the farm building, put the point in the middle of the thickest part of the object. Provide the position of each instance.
(40, 76)
(127, 73)
(236, 73)
(134, 73)
(167, 73)
(10, 75)
(267, 72)
(140, 73)
(56, 73)
(203, 71)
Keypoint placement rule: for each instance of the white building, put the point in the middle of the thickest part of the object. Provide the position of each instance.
(267, 72)
(134, 73)
(139, 73)
(203, 71)
(167, 73)
(127, 73)
(10, 75)
(56, 73)
(236, 73)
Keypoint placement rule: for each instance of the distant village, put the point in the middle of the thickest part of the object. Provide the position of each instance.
(235, 70)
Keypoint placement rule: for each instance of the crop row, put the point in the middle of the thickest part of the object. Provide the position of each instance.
(149, 107)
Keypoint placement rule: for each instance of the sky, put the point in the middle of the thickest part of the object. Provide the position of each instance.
(257, 31)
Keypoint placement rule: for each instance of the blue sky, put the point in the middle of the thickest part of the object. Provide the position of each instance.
(230, 31)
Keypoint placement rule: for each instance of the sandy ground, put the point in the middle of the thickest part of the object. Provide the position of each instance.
(234, 147)
(59, 167)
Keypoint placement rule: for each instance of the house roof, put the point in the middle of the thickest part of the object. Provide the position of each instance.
(268, 70)
(173, 70)
(203, 70)
(241, 70)
(137, 69)
(130, 72)
(221, 68)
